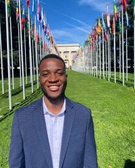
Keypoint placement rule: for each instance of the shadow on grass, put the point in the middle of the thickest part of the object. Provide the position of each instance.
(129, 164)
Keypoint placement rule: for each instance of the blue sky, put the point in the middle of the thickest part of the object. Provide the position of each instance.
(71, 20)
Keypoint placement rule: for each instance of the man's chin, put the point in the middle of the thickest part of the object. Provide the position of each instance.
(54, 97)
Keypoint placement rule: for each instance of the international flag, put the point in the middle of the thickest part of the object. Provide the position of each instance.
(28, 3)
(108, 18)
(103, 22)
(17, 13)
(115, 11)
(8, 8)
(33, 5)
(38, 12)
(99, 27)
(23, 19)
(124, 4)
(119, 23)
(127, 20)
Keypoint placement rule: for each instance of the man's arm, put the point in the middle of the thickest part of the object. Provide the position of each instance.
(16, 154)
(90, 157)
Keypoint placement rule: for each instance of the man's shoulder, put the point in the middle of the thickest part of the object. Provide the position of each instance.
(34, 104)
(77, 105)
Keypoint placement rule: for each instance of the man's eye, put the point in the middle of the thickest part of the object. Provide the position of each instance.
(59, 73)
(44, 74)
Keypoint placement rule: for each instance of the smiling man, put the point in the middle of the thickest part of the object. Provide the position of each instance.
(54, 131)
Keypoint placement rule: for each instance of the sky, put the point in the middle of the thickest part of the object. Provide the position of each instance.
(71, 21)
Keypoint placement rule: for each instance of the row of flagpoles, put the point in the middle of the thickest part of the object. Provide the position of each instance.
(40, 39)
(97, 45)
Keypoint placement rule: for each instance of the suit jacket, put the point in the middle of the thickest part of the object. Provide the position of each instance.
(29, 147)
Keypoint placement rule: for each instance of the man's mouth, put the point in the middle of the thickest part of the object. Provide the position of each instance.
(53, 88)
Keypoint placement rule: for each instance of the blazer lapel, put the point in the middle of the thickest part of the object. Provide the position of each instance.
(41, 128)
(68, 123)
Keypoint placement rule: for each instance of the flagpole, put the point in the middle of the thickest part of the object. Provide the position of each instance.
(30, 57)
(122, 49)
(126, 57)
(119, 56)
(103, 52)
(134, 44)
(8, 58)
(25, 55)
(2, 74)
(19, 50)
(109, 57)
(36, 54)
(114, 52)
(12, 63)
(22, 60)
(100, 57)
(96, 58)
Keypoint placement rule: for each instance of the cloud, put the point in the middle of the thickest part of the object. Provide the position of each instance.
(72, 35)
(98, 5)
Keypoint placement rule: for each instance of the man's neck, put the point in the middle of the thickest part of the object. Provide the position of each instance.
(54, 106)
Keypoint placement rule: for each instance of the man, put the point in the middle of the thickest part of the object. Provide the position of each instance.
(53, 132)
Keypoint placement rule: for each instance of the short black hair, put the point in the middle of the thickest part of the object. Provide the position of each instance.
(52, 56)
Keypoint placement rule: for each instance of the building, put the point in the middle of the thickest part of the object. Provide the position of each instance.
(67, 52)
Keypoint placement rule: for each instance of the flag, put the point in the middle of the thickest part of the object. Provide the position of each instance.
(115, 11)
(119, 23)
(38, 12)
(108, 18)
(8, 7)
(37, 37)
(134, 2)
(17, 13)
(124, 4)
(33, 5)
(23, 19)
(99, 27)
(127, 20)
(28, 3)
(103, 22)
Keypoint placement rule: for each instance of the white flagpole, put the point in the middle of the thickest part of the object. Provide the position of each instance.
(122, 49)
(30, 57)
(25, 55)
(134, 44)
(120, 56)
(12, 63)
(109, 58)
(2, 74)
(100, 57)
(126, 57)
(8, 58)
(96, 57)
(103, 48)
(19, 50)
(22, 60)
(114, 52)
(37, 76)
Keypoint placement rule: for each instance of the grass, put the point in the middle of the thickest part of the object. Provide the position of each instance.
(113, 111)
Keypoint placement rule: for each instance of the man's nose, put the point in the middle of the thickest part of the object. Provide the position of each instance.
(53, 78)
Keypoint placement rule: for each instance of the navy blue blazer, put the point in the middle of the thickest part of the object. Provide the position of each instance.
(29, 147)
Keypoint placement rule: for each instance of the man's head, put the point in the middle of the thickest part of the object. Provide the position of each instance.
(53, 77)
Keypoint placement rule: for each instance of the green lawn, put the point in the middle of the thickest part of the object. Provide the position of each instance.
(113, 111)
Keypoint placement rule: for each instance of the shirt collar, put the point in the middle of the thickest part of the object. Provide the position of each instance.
(46, 110)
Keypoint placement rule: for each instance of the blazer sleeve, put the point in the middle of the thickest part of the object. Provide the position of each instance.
(16, 154)
(90, 156)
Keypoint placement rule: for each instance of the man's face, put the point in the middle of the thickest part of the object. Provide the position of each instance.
(53, 78)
